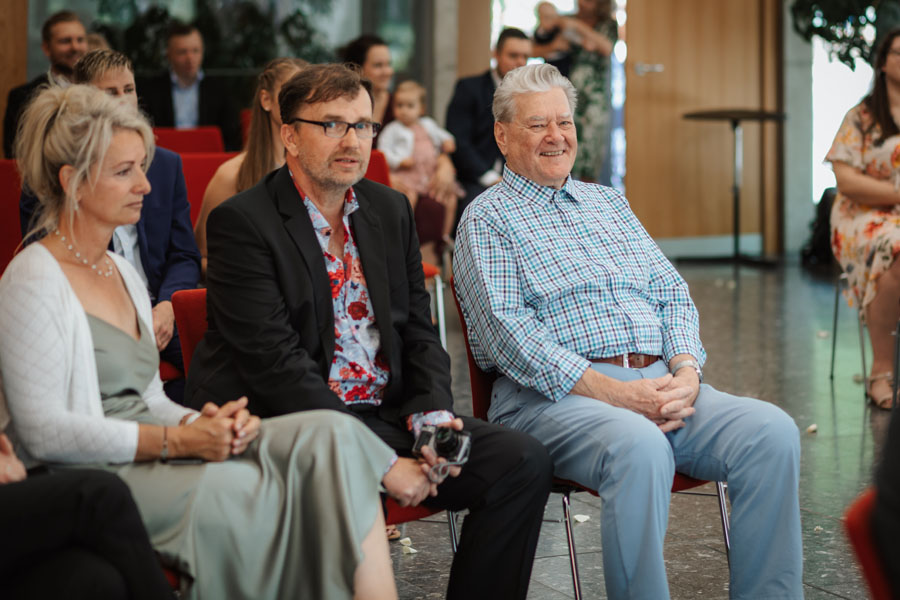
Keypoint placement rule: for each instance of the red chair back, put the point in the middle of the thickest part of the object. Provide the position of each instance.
(378, 168)
(190, 318)
(10, 190)
(199, 168)
(198, 139)
(482, 381)
(858, 525)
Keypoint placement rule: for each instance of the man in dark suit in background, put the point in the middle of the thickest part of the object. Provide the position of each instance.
(184, 96)
(477, 159)
(64, 41)
(317, 300)
(161, 246)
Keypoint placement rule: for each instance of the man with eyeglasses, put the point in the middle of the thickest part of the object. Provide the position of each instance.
(316, 300)
(597, 344)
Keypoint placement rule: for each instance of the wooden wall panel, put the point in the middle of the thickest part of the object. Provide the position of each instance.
(13, 47)
(473, 51)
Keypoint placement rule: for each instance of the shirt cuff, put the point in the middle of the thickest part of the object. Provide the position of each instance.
(489, 178)
(415, 421)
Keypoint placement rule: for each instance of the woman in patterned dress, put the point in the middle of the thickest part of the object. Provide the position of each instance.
(865, 218)
(596, 24)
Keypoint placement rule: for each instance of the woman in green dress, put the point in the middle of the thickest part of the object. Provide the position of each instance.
(284, 508)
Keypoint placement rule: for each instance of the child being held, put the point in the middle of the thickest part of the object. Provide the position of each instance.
(412, 144)
(555, 36)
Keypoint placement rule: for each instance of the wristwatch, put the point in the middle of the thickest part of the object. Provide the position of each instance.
(690, 362)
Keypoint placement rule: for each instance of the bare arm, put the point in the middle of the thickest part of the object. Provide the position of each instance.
(221, 187)
(590, 39)
(863, 188)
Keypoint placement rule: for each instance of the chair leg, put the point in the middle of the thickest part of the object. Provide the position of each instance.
(837, 296)
(570, 538)
(451, 524)
(439, 302)
(723, 513)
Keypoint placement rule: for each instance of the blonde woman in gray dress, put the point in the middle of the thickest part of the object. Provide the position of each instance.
(284, 508)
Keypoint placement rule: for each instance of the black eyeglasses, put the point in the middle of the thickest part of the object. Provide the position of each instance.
(365, 130)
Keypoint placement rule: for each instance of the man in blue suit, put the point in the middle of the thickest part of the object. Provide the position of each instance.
(161, 244)
(477, 159)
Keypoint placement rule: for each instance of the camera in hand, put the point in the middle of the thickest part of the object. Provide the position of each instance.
(447, 443)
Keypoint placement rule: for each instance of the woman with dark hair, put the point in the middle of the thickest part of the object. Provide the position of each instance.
(373, 57)
(263, 151)
(865, 238)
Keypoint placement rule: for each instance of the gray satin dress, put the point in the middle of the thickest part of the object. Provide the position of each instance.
(284, 520)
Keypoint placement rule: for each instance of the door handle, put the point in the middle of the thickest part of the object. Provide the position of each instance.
(642, 69)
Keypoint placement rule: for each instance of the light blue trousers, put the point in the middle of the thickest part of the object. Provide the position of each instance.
(753, 445)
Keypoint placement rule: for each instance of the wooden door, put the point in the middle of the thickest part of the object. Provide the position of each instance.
(715, 54)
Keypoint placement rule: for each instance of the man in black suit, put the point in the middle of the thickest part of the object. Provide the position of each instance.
(184, 96)
(469, 118)
(316, 300)
(64, 41)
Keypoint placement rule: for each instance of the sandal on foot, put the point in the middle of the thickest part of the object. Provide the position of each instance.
(883, 400)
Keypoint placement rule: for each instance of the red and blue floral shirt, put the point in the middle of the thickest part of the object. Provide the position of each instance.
(359, 370)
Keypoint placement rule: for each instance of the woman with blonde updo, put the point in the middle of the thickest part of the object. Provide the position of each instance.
(263, 151)
(281, 508)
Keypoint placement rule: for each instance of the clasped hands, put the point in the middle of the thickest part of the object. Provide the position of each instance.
(219, 431)
(410, 480)
(667, 400)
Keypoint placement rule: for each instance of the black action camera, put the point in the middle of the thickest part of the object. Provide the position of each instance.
(447, 443)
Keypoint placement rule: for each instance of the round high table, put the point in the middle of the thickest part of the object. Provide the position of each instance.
(735, 117)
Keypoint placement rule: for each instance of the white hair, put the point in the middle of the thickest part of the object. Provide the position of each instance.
(526, 80)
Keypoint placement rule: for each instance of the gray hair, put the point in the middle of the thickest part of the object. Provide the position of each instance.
(526, 80)
(72, 126)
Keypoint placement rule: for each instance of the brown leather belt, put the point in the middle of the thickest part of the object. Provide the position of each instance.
(631, 360)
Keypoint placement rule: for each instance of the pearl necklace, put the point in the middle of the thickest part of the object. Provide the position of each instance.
(71, 248)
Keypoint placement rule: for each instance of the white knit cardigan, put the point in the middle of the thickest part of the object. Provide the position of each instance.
(49, 372)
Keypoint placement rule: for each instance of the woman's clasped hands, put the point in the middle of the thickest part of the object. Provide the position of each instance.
(219, 431)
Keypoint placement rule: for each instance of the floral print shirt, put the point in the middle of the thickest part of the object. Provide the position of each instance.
(359, 370)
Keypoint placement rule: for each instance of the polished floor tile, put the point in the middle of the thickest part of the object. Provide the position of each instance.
(768, 334)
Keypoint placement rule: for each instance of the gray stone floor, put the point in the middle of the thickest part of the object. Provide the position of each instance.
(768, 335)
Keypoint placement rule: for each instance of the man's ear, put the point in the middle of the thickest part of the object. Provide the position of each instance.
(500, 136)
(289, 139)
(46, 49)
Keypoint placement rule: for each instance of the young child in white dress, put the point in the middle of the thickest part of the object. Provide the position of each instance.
(412, 144)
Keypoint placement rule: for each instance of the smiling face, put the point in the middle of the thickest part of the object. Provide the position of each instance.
(118, 83)
(540, 142)
(67, 44)
(185, 55)
(323, 163)
(118, 194)
(377, 67)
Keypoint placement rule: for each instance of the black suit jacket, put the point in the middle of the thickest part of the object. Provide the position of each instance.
(470, 120)
(271, 321)
(15, 103)
(216, 106)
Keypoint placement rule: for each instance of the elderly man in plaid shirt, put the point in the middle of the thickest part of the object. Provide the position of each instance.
(597, 343)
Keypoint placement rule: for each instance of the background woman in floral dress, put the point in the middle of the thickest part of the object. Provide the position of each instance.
(865, 218)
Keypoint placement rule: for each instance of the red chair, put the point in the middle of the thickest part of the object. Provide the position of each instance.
(482, 384)
(378, 168)
(197, 139)
(199, 168)
(858, 525)
(190, 318)
(10, 190)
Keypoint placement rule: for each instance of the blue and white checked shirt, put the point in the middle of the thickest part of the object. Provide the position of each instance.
(549, 278)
